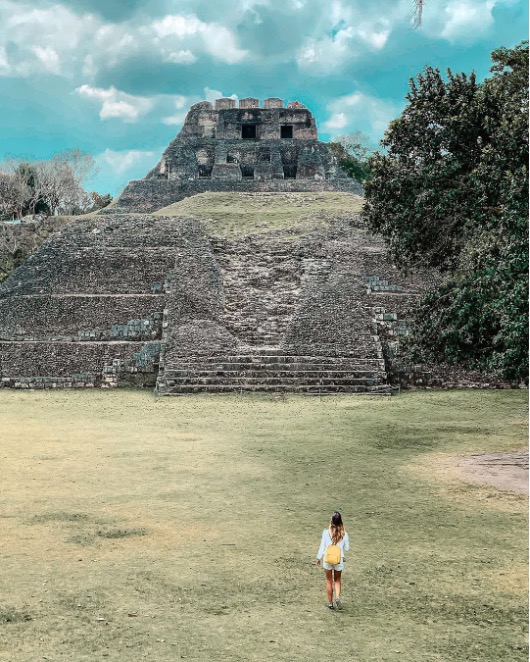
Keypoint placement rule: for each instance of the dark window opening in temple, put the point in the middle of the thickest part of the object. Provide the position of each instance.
(247, 172)
(205, 171)
(231, 158)
(286, 131)
(248, 131)
(289, 171)
(264, 156)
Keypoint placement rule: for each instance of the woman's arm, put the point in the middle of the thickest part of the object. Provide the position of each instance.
(346, 543)
(322, 547)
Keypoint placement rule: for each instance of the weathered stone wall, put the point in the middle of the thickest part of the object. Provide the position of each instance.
(225, 121)
(123, 255)
(445, 377)
(248, 149)
(93, 297)
(56, 365)
(80, 317)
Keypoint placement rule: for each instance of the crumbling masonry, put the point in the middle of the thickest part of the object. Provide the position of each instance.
(247, 149)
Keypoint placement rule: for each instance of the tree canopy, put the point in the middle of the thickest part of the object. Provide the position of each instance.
(450, 193)
(48, 187)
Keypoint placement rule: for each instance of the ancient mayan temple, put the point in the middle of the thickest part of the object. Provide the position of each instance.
(248, 148)
(186, 302)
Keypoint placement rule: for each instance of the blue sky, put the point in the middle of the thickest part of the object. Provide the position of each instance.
(115, 77)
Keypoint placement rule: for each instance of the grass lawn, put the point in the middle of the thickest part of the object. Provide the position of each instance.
(186, 528)
(238, 214)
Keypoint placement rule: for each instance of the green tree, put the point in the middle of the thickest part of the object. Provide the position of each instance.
(451, 194)
(352, 154)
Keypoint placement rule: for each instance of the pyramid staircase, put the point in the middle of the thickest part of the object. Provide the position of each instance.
(264, 287)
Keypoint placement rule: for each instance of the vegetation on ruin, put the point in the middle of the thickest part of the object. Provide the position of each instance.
(451, 194)
(238, 214)
(186, 528)
(352, 153)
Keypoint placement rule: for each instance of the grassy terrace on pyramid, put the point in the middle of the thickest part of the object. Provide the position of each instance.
(238, 263)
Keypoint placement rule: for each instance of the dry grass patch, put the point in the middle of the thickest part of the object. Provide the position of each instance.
(237, 214)
(443, 472)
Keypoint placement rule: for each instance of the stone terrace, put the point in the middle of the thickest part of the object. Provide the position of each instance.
(113, 300)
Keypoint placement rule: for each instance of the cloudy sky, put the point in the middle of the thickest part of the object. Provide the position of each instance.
(115, 77)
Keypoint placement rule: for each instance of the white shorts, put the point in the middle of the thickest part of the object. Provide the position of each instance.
(337, 566)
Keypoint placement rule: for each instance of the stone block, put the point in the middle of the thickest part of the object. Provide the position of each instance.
(273, 102)
(249, 102)
(225, 103)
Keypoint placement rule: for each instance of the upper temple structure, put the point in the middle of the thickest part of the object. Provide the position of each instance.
(248, 148)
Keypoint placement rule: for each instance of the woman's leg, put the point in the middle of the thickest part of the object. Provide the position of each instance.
(329, 586)
(338, 576)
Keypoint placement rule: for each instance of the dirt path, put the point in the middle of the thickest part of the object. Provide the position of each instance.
(505, 471)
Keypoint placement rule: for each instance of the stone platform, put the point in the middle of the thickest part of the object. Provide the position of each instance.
(167, 302)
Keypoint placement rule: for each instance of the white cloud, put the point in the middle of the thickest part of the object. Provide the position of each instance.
(221, 44)
(337, 121)
(215, 38)
(177, 26)
(180, 57)
(174, 120)
(122, 161)
(46, 37)
(466, 19)
(49, 58)
(212, 95)
(460, 21)
(360, 111)
(4, 62)
(57, 40)
(181, 105)
(376, 39)
(44, 40)
(117, 104)
(346, 34)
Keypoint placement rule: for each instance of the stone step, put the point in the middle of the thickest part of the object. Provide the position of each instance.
(270, 356)
(383, 389)
(275, 374)
(271, 382)
(349, 366)
(271, 363)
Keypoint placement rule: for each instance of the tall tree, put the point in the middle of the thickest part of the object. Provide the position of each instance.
(51, 186)
(451, 194)
(13, 194)
(60, 180)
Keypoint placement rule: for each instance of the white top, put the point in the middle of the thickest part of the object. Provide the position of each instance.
(344, 544)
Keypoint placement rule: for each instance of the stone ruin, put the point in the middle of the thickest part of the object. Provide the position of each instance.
(248, 149)
(158, 301)
(129, 298)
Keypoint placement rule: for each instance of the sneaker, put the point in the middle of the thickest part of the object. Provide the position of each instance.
(338, 602)
(330, 606)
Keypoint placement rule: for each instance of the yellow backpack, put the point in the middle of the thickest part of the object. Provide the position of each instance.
(333, 555)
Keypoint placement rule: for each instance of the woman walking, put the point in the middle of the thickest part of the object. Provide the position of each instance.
(334, 543)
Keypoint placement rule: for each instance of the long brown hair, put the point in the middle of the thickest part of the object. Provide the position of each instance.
(336, 528)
